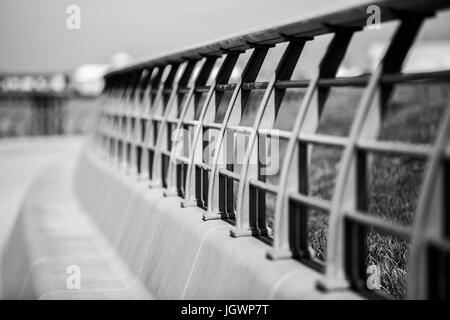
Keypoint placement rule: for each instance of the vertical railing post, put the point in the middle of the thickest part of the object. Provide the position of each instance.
(239, 98)
(199, 80)
(196, 152)
(432, 214)
(250, 170)
(121, 93)
(138, 114)
(149, 102)
(162, 82)
(130, 121)
(171, 82)
(307, 119)
(344, 198)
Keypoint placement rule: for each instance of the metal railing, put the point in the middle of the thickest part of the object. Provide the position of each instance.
(179, 121)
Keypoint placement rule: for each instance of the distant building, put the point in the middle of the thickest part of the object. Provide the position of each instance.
(87, 79)
(121, 59)
(29, 83)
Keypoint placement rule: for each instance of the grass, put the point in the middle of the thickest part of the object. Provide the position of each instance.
(394, 182)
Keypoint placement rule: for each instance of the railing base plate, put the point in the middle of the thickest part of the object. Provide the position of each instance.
(278, 254)
(327, 285)
(143, 177)
(189, 203)
(131, 172)
(170, 193)
(237, 233)
(155, 184)
(211, 216)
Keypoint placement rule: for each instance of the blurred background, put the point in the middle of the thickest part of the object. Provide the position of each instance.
(39, 54)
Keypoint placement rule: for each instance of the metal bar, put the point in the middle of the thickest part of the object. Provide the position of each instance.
(397, 148)
(202, 89)
(431, 196)
(183, 159)
(276, 133)
(313, 202)
(263, 186)
(283, 71)
(203, 166)
(380, 224)
(170, 120)
(249, 74)
(281, 247)
(190, 123)
(150, 102)
(223, 76)
(286, 84)
(419, 76)
(211, 125)
(443, 244)
(254, 85)
(240, 129)
(226, 87)
(230, 174)
(447, 153)
(165, 107)
(200, 79)
(345, 184)
(323, 139)
(353, 16)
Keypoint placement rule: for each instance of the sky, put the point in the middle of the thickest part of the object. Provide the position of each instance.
(34, 36)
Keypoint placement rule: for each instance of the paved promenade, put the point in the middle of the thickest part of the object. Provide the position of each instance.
(21, 159)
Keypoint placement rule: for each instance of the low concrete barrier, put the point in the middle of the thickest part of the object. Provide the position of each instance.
(131, 242)
(51, 235)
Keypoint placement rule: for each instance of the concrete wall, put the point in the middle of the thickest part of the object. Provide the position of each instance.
(132, 243)
(175, 253)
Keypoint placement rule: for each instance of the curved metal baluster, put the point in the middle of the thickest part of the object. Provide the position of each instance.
(200, 80)
(249, 74)
(283, 71)
(222, 77)
(172, 82)
(430, 213)
(344, 197)
(307, 116)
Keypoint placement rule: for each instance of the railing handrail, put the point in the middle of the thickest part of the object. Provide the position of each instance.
(309, 26)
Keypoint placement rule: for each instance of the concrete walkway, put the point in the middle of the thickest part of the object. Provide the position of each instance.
(21, 159)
